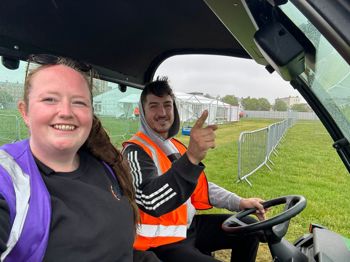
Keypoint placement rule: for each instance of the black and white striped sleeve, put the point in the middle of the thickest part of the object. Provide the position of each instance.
(4, 224)
(158, 195)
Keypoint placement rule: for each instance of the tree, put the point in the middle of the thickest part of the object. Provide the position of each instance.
(264, 104)
(250, 103)
(300, 108)
(5, 97)
(261, 104)
(244, 102)
(230, 99)
(280, 106)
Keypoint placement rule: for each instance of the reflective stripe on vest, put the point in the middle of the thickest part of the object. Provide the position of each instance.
(162, 231)
(153, 152)
(21, 184)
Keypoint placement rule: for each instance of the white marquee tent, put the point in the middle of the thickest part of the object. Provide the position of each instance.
(116, 103)
(190, 106)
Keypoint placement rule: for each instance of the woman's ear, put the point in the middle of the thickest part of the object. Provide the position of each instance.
(22, 108)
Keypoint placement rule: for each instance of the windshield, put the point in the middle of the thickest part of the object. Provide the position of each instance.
(329, 79)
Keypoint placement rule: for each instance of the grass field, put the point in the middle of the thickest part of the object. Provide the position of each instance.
(306, 164)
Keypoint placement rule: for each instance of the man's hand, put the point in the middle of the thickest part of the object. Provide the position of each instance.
(201, 139)
(254, 203)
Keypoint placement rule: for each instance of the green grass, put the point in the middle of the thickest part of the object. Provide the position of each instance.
(8, 126)
(119, 129)
(306, 164)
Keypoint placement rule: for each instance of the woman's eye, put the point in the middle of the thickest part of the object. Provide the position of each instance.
(80, 103)
(49, 99)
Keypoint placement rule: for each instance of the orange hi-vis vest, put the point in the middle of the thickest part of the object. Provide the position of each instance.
(170, 227)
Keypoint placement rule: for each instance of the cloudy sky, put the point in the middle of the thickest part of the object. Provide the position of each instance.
(219, 75)
(214, 75)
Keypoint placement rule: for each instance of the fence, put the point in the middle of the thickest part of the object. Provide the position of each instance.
(13, 129)
(10, 128)
(255, 147)
(119, 129)
(281, 115)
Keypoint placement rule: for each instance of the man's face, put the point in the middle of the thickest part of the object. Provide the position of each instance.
(159, 113)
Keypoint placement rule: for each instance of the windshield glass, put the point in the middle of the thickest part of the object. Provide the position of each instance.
(329, 79)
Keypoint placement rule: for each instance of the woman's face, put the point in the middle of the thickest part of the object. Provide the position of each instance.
(59, 111)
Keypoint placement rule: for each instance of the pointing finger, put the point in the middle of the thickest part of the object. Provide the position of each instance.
(201, 120)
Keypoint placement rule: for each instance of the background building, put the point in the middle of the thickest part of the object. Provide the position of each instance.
(290, 100)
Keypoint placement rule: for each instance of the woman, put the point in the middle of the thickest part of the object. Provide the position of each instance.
(65, 193)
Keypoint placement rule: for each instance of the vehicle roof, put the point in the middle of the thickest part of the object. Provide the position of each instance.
(124, 40)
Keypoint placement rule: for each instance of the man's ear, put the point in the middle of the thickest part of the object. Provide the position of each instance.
(22, 108)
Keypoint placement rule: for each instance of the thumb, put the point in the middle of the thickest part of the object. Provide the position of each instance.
(213, 127)
(201, 120)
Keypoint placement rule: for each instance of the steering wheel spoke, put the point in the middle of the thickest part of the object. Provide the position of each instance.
(236, 221)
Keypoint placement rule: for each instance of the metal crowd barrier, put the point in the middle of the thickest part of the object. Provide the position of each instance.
(9, 128)
(255, 148)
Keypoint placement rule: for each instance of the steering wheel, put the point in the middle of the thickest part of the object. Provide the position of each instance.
(294, 204)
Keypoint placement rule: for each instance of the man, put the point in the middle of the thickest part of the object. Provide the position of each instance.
(170, 185)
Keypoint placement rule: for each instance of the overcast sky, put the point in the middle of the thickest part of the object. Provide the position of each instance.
(219, 75)
(214, 75)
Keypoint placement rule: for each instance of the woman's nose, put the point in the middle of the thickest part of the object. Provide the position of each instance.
(65, 109)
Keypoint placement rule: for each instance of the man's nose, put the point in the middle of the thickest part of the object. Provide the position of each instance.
(161, 111)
